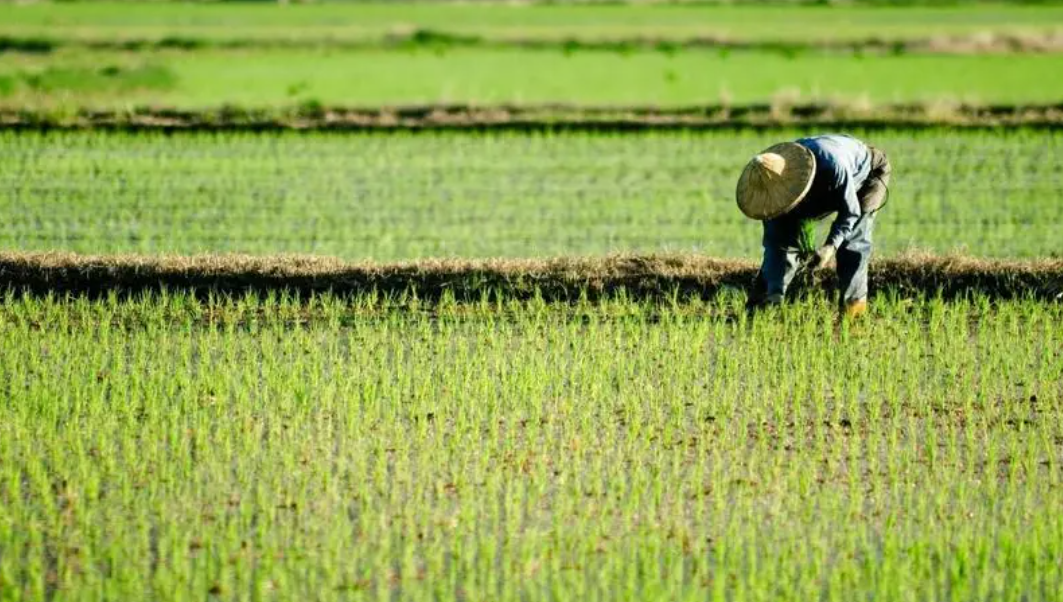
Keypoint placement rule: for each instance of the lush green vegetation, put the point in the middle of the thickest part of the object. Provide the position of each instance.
(326, 449)
(174, 44)
(385, 444)
(101, 21)
(411, 196)
(264, 78)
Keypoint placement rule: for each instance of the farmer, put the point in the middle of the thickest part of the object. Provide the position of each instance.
(790, 187)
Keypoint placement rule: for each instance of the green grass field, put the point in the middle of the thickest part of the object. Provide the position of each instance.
(263, 72)
(328, 449)
(271, 78)
(492, 425)
(319, 23)
(412, 196)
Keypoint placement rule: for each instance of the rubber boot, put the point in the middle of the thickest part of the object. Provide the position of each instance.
(855, 309)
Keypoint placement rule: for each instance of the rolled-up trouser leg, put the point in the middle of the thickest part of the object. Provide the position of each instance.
(780, 257)
(853, 259)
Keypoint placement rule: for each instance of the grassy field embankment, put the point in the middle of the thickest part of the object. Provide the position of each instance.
(539, 118)
(649, 278)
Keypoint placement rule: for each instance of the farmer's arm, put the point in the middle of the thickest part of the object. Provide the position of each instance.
(848, 212)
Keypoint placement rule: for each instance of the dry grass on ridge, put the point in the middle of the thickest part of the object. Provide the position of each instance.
(982, 42)
(561, 278)
(539, 117)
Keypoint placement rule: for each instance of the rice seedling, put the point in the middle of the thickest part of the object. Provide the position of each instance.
(987, 193)
(372, 448)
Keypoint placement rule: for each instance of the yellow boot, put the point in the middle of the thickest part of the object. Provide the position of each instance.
(855, 309)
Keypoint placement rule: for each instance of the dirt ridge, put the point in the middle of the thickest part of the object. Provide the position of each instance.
(655, 276)
(505, 117)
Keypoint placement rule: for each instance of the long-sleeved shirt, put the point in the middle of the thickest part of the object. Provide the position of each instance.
(842, 165)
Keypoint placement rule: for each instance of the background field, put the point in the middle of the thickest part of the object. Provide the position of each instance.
(390, 197)
(273, 78)
(339, 22)
(206, 56)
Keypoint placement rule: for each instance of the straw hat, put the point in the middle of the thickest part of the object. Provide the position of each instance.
(775, 181)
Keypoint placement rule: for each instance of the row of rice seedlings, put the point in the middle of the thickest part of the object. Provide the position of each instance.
(604, 452)
(408, 196)
(322, 25)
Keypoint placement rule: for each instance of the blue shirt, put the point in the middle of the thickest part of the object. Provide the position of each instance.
(842, 165)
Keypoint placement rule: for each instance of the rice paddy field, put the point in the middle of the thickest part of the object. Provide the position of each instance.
(352, 21)
(411, 196)
(271, 78)
(197, 56)
(291, 360)
(352, 449)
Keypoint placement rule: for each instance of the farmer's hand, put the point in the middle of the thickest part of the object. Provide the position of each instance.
(821, 257)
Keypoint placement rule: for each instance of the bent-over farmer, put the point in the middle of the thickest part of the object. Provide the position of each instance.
(790, 187)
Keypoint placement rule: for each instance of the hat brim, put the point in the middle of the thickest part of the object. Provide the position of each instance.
(763, 194)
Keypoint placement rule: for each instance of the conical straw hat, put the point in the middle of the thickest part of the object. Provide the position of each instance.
(775, 181)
